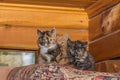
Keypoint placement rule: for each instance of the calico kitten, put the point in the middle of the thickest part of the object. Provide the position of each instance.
(79, 56)
(46, 42)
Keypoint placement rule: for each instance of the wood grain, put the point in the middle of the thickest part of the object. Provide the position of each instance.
(43, 16)
(25, 38)
(100, 6)
(106, 47)
(108, 66)
(95, 29)
(111, 20)
(63, 3)
(104, 23)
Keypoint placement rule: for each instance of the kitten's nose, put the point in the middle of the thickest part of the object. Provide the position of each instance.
(42, 43)
(81, 54)
(48, 42)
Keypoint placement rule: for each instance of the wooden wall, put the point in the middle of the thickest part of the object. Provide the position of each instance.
(25, 38)
(104, 29)
(19, 23)
(42, 16)
(58, 3)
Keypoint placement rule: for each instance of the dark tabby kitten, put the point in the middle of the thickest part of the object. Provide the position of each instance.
(46, 42)
(79, 56)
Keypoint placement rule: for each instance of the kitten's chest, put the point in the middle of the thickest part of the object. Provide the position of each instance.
(43, 50)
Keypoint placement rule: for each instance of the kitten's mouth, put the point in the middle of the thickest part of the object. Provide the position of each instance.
(61, 45)
(47, 45)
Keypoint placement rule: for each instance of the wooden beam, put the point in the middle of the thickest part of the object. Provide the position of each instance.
(106, 22)
(41, 7)
(100, 6)
(106, 47)
(111, 66)
(62, 3)
(95, 29)
(111, 20)
(42, 16)
(25, 38)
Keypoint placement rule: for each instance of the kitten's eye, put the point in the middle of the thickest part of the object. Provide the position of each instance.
(62, 42)
(50, 39)
(45, 40)
(78, 50)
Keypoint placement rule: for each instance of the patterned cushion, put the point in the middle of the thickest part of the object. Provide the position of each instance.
(57, 72)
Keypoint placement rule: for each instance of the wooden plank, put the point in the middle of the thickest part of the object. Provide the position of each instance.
(41, 7)
(43, 16)
(95, 30)
(25, 38)
(100, 6)
(108, 66)
(62, 3)
(106, 47)
(111, 20)
(104, 23)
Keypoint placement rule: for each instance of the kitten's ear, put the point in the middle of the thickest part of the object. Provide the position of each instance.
(85, 44)
(66, 36)
(39, 33)
(79, 43)
(69, 42)
(53, 32)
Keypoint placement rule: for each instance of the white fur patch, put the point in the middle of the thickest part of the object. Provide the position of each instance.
(44, 51)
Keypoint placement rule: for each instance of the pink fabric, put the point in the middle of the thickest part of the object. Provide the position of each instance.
(4, 72)
(57, 72)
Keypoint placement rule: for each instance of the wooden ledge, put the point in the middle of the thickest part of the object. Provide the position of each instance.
(106, 47)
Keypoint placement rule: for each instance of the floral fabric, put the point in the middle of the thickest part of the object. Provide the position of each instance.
(57, 72)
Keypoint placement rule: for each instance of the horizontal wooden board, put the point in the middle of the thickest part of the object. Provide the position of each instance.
(25, 38)
(63, 3)
(106, 47)
(111, 66)
(43, 16)
(100, 6)
(111, 20)
(104, 23)
(95, 29)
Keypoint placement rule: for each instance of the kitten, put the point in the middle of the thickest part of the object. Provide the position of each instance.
(46, 41)
(78, 55)
(62, 43)
(60, 53)
(70, 51)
